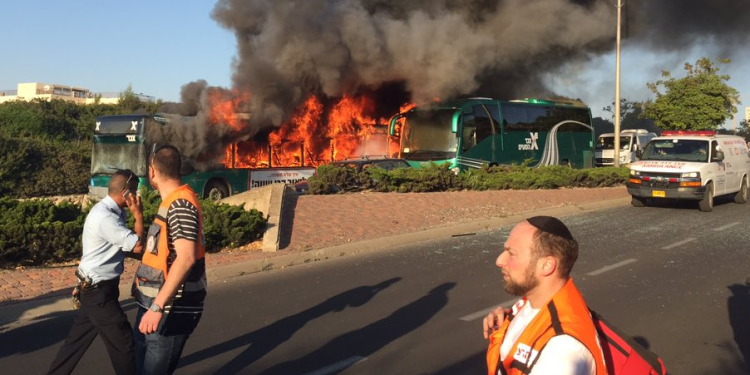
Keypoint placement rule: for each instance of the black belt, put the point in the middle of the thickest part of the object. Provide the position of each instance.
(85, 284)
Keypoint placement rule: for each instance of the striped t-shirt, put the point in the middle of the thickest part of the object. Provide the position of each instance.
(182, 220)
(183, 223)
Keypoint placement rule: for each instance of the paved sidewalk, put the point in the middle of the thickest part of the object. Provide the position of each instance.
(315, 223)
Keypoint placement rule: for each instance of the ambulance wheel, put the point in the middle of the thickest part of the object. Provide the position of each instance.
(741, 196)
(216, 190)
(638, 201)
(707, 203)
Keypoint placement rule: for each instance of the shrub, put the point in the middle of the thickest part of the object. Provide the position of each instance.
(331, 179)
(33, 168)
(37, 232)
(230, 226)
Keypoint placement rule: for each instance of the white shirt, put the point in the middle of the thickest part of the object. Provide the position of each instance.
(105, 239)
(563, 355)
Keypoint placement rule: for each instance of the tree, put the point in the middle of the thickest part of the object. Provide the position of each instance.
(699, 101)
(632, 117)
(129, 101)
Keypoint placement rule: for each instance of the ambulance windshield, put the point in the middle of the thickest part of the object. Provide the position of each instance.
(677, 150)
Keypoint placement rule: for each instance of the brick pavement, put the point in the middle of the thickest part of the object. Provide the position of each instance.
(314, 222)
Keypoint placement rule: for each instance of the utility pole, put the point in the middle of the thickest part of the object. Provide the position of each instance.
(617, 88)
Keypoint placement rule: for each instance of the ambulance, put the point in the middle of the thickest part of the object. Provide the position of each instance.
(631, 140)
(690, 165)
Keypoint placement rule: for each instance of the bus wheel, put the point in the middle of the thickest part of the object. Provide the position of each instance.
(741, 196)
(707, 203)
(216, 190)
(637, 201)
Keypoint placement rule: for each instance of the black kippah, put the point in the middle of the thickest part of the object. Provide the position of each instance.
(551, 225)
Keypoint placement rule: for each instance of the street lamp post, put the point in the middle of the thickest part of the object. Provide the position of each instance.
(617, 88)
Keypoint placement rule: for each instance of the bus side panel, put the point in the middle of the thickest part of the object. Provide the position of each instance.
(522, 145)
(236, 179)
(574, 147)
(482, 151)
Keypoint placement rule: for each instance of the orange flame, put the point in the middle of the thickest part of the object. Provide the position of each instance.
(313, 136)
(225, 108)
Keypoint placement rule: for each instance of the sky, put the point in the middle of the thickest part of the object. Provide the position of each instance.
(159, 46)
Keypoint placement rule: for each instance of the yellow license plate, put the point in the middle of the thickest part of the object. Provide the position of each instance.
(658, 194)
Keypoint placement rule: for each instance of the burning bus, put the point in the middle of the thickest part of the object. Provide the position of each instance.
(125, 141)
(221, 158)
(468, 133)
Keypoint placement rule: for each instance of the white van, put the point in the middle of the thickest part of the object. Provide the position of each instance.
(697, 165)
(631, 140)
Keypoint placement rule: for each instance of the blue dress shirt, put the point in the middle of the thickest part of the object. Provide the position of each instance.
(105, 239)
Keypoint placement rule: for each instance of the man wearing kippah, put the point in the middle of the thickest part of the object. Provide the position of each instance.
(549, 330)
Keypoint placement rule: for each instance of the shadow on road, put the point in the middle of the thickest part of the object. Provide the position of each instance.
(365, 341)
(19, 340)
(738, 306)
(41, 332)
(262, 341)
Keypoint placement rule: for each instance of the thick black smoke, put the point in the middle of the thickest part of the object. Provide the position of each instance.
(289, 49)
(677, 24)
(438, 48)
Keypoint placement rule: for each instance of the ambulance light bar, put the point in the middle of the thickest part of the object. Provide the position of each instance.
(705, 133)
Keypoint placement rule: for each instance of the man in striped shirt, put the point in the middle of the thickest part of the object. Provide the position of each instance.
(170, 284)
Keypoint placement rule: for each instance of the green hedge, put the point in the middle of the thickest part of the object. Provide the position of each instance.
(34, 168)
(330, 180)
(38, 232)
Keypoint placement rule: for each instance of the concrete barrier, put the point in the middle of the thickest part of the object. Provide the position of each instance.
(269, 200)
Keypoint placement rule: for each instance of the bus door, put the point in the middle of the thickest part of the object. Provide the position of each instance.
(480, 136)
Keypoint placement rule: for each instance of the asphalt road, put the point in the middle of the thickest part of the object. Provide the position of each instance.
(670, 275)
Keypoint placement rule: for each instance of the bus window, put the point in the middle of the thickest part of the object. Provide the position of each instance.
(482, 122)
(469, 133)
(515, 117)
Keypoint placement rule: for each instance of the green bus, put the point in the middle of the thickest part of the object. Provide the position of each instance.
(122, 142)
(468, 133)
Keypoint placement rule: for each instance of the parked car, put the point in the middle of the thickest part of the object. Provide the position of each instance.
(360, 164)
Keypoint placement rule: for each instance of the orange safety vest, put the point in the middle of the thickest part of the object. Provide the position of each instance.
(566, 313)
(154, 269)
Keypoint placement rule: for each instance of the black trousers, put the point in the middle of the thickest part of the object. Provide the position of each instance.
(100, 314)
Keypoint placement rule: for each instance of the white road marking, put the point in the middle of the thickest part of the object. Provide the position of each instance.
(338, 366)
(482, 313)
(691, 239)
(611, 267)
(719, 229)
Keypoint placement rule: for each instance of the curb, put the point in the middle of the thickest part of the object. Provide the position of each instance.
(25, 311)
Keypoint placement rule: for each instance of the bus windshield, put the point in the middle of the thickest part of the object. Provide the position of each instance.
(109, 157)
(427, 135)
(676, 150)
(608, 143)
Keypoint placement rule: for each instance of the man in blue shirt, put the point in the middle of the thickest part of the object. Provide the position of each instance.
(106, 241)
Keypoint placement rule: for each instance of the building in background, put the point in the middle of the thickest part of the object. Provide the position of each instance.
(44, 91)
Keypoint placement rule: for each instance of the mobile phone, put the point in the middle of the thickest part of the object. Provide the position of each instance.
(127, 194)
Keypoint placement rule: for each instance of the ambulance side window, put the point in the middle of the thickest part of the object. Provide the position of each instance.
(714, 148)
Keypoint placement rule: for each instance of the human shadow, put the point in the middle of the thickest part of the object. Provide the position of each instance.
(40, 332)
(365, 341)
(262, 341)
(738, 306)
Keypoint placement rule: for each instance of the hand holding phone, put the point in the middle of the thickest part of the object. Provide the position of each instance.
(133, 202)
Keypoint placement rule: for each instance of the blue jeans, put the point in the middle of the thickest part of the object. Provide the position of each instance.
(159, 352)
